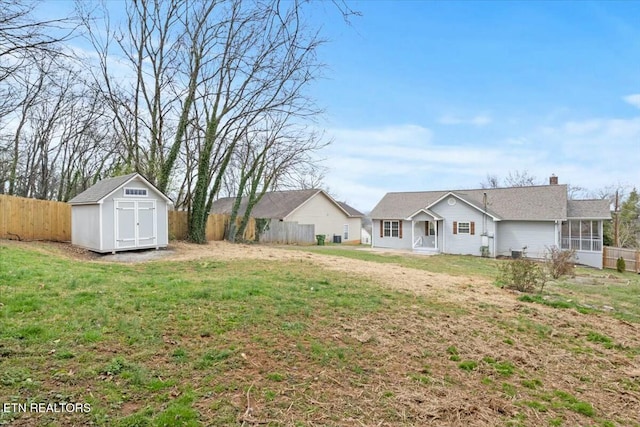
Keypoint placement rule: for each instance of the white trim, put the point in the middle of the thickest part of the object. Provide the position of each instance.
(100, 226)
(145, 190)
(426, 211)
(495, 218)
(462, 232)
(413, 238)
(136, 234)
(137, 175)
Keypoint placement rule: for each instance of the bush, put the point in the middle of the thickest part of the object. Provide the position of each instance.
(521, 274)
(621, 266)
(559, 263)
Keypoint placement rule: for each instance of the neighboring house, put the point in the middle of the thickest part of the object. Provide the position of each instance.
(122, 213)
(365, 236)
(316, 207)
(492, 222)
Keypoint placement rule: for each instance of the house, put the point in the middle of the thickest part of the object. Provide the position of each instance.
(335, 220)
(365, 236)
(122, 213)
(492, 222)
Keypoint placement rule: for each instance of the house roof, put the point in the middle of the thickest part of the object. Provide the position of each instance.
(105, 187)
(279, 204)
(591, 209)
(535, 203)
(353, 212)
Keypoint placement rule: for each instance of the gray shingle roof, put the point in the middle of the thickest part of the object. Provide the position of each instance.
(101, 189)
(353, 212)
(544, 202)
(592, 209)
(275, 204)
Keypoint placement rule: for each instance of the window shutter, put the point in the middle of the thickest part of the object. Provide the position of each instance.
(400, 229)
(381, 228)
(455, 227)
(473, 228)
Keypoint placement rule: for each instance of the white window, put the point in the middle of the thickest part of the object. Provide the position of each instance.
(581, 235)
(135, 192)
(391, 229)
(345, 232)
(464, 228)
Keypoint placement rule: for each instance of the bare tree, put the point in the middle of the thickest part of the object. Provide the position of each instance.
(513, 179)
(22, 37)
(491, 181)
(265, 160)
(200, 79)
(521, 179)
(263, 61)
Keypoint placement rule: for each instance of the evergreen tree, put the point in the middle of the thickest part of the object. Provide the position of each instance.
(629, 228)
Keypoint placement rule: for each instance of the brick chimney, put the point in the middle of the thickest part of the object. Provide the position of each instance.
(553, 180)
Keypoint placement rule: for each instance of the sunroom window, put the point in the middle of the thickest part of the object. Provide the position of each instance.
(581, 235)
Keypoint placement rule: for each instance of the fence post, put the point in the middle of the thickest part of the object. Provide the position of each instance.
(637, 260)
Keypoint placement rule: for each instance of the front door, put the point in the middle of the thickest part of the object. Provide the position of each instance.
(135, 223)
(429, 239)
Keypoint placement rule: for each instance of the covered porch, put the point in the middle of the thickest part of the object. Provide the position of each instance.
(426, 231)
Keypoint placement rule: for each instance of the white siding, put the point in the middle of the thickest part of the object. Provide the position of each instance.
(465, 244)
(85, 226)
(328, 218)
(89, 221)
(592, 259)
(392, 242)
(535, 235)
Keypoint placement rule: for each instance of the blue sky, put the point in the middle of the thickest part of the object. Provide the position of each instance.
(435, 95)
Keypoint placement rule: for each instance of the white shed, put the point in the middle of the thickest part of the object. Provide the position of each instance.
(118, 214)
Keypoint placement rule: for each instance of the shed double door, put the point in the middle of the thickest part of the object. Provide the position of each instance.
(135, 223)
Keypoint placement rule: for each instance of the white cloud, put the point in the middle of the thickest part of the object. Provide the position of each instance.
(479, 120)
(633, 99)
(366, 163)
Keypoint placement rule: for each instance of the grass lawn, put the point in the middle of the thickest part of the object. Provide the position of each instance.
(273, 342)
(454, 265)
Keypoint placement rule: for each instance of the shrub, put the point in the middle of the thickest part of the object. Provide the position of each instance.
(621, 266)
(521, 274)
(559, 263)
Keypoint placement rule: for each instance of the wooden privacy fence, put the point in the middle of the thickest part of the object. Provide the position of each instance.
(288, 233)
(631, 258)
(31, 219)
(216, 224)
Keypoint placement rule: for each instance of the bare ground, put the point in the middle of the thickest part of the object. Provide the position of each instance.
(559, 355)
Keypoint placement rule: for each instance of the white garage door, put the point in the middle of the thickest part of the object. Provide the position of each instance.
(135, 223)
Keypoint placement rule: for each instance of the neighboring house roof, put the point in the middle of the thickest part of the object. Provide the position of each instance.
(105, 187)
(279, 204)
(535, 203)
(353, 212)
(591, 209)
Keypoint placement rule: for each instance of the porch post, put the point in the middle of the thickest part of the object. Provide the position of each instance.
(412, 236)
(436, 227)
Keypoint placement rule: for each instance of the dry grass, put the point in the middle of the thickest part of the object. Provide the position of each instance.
(357, 343)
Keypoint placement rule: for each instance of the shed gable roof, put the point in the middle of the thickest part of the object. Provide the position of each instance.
(279, 204)
(535, 203)
(105, 187)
